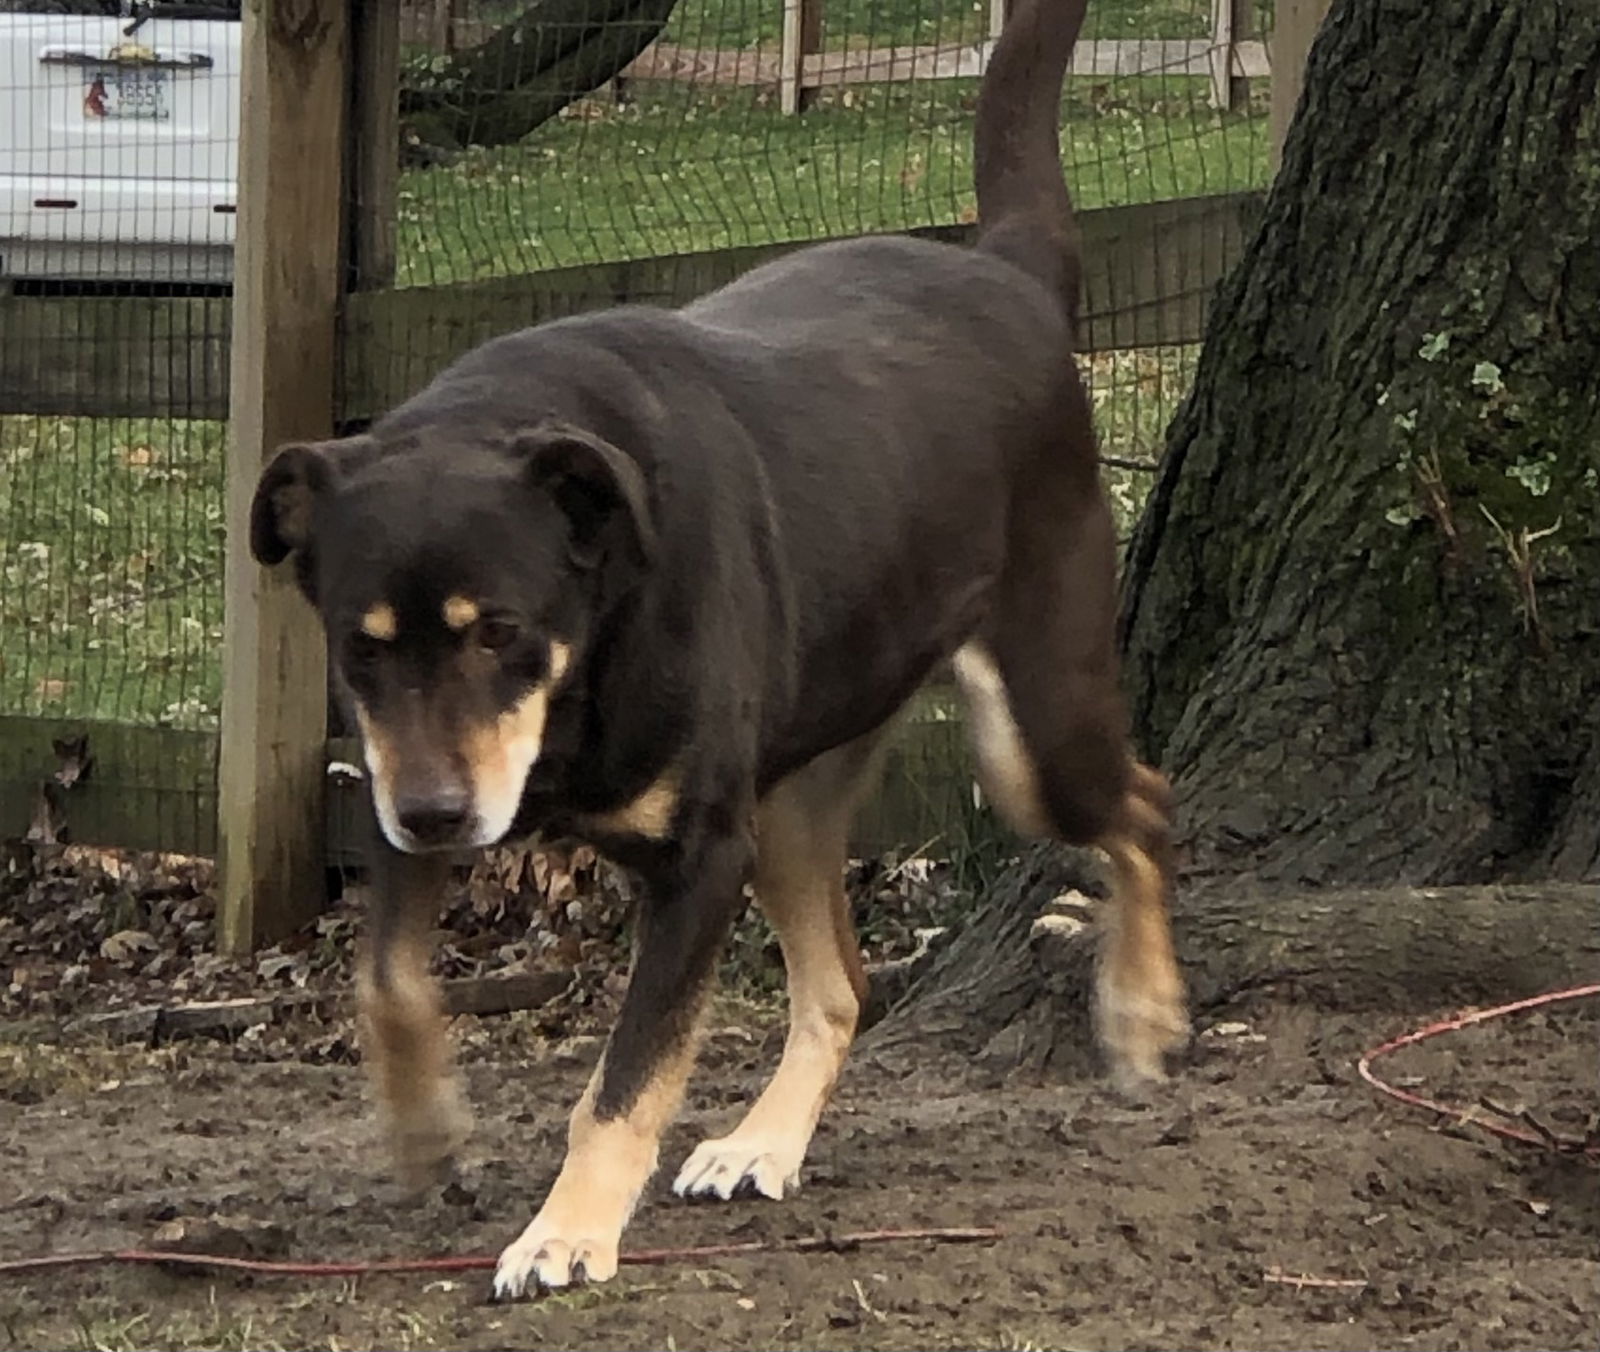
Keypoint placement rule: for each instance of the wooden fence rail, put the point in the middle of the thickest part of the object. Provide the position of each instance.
(1150, 269)
(808, 70)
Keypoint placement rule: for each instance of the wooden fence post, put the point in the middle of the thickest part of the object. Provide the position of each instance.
(1230, 25)
(287, 256)
(802, 37)
(442, 29)
(999, 11)
(1293, 30)
(374, 141)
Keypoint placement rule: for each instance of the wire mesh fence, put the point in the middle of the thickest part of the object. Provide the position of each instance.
(549, 156)
(690, 148)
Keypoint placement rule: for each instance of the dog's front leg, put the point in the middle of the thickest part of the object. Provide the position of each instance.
(404, 1040)
(615, 1131)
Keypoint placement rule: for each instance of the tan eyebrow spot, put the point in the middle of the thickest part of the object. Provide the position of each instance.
(379, 622)
(460, 611)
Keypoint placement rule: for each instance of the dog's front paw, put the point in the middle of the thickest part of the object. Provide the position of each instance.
(424, 1142)
(553, 1253)
(737, 1166)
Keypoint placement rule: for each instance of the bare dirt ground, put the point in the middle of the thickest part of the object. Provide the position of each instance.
(1177, 1224)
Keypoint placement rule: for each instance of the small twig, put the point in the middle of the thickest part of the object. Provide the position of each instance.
(356, 1268)
(1300, 1281)
(1519, 550)
(890, 875)
(1524, 1115)
(1124, 462)
(1436, 502)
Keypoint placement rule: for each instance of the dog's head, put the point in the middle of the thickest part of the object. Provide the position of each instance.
(458, 587)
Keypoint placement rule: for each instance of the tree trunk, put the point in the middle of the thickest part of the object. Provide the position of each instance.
(1362, 618)
(1010, 990)
(984, 993)
(554, 52)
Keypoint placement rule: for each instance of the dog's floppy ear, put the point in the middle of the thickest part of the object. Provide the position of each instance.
(300, 473)
(595, 485)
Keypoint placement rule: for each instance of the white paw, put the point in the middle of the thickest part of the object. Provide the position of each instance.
(548, 1256)
(424, 1142)
(1138, 1032)
(732, 1165)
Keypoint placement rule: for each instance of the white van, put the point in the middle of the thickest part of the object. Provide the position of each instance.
(119, 133)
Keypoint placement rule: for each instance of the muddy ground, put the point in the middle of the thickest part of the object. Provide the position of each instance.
(1171, 1225)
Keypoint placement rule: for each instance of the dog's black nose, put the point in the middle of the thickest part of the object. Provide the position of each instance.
(437, 819)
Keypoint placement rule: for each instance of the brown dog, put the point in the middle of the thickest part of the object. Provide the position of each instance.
(660, 579)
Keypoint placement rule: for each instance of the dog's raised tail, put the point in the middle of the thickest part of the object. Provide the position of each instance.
(1024, 208)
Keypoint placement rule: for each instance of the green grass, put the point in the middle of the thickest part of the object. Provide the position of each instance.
(737, 24)
(111, 530)
(676, 172)
(217, 1319)
(110, 569)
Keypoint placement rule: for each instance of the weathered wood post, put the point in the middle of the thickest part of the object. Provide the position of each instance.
(1230, 25)
(287, 284)
(1293, 30)
(374, 142)
(802, 37)
(998, 11)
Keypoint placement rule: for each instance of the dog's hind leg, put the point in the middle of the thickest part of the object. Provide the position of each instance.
(1050, 730)
(1139, 1000)
(802, 837)
(405, 1043)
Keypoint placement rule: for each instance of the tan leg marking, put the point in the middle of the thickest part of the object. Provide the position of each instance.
(1006, 771)
(802, 838)
(406, 1051)
(380, 622)
(1139, 994)
(650, 815)
(578, 1231)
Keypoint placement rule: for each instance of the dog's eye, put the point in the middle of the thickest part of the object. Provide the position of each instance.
(496, 634)
(360, 652)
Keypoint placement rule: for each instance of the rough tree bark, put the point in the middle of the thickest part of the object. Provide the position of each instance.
(1362, 619)
(1012, 988)
(554, 52)
(1362, 610)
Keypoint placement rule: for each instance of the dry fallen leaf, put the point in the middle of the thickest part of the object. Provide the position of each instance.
(122, 945)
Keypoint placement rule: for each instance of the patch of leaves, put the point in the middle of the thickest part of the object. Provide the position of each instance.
(87, 930)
